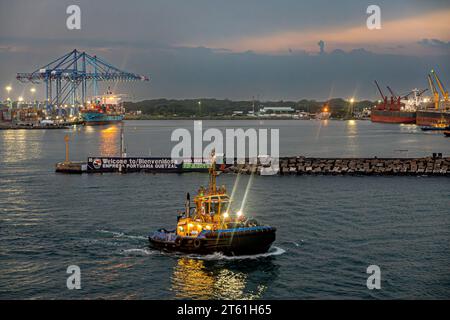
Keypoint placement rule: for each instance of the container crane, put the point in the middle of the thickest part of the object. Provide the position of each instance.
(434, 91)
(68, 78)
(444, 92)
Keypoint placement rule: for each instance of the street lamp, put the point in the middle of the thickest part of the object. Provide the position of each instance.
(8, 89)
(33, 91)
(20, 100)
(352, 100)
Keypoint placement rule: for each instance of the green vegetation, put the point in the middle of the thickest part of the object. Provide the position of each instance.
(223, 109)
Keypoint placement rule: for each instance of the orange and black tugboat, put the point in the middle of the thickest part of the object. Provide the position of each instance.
(211, 226)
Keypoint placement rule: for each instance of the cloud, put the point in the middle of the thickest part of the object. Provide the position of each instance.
(203, 72)
(396, 36)
(435, 43)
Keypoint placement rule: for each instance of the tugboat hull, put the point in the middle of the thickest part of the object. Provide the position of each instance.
(232, 242)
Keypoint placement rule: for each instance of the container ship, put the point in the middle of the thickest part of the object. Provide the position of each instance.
(397, 109)
(105, 109)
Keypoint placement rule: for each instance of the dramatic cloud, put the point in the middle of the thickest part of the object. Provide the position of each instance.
(235, 49)
(396, 36)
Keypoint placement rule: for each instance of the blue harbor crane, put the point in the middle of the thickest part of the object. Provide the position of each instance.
(68, 78)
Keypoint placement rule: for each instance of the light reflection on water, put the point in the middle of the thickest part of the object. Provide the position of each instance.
(352, 134)
(109, 141)
(20, 145)
(199, 279)
(331, 227)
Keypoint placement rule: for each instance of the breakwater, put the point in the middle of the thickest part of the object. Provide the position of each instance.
(435, 165)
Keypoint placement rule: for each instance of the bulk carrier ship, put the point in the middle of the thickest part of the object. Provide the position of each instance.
(104, 110)
(438, 111)
(398, 109)
(432, 117)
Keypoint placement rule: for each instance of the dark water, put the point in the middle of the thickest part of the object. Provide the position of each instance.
(329, 228)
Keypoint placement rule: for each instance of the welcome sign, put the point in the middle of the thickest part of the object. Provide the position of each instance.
(111, 164)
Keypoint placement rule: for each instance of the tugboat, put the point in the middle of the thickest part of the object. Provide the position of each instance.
(211, 226)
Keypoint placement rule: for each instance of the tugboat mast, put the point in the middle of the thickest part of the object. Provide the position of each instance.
(212, 174)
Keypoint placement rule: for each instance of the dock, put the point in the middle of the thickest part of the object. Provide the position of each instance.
(32, 126)
(71, 167)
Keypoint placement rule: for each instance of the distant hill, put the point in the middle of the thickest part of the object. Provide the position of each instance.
(215, 107)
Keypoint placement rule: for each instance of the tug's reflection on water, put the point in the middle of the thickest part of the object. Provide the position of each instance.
(222, 279)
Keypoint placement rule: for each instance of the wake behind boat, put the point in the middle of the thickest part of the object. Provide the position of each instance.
(211, 226)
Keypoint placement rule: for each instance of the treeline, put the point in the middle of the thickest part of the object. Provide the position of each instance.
(215, 107)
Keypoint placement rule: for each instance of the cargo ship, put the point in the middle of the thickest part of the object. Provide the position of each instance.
(441, 125)
(105, 109)
(432, 117)
(397, 109)
(439, 110)
(389, 116)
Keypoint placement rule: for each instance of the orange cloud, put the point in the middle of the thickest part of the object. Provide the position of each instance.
(399, 36)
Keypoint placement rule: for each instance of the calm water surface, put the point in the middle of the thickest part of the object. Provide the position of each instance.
(329, 228)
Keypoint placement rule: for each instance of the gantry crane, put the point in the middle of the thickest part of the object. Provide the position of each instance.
(436, 97)
(67, 78)
(444, 92)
